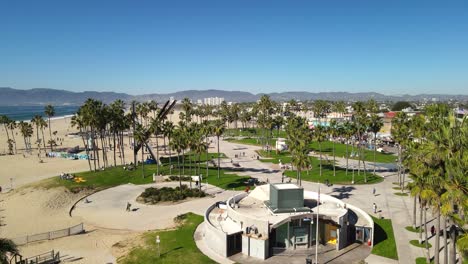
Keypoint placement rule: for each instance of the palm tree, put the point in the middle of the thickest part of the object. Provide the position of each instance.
(320, 133)
(7, 249)
(400, 133)
(141, 136)
(218, 130)
(207, 129)
(78, 122)
(168, 130)
(333, 130)
(7, 123)
(26, 131)
(176, 145)
(49, 111)
(375, 124)
(187, 108)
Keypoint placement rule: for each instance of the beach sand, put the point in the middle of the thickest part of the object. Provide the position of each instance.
(27, 209)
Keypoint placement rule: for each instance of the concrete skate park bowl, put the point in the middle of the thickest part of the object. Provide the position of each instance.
(255, 225)
(107, 208)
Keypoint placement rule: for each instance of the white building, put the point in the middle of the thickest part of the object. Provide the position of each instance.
(213, 100)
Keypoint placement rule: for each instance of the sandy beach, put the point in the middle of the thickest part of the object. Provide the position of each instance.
(26, 209)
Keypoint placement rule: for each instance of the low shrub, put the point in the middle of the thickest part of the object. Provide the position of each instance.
(154, 195)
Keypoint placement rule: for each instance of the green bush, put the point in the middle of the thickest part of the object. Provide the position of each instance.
(154, 195)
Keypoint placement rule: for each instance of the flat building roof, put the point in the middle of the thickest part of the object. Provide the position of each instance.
(286, 186)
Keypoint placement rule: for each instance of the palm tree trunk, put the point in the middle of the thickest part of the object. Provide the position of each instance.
(178, 166)
(207, 165)
(437, 240)
(50, 135)
(347, 158)
(375, 150)
(157, 156)
(426, 245)
(444, 219)
(334, 169)
(14, 140)
(43, 139)
(320, 151)
(143, 160)
(421, 224)
(115, 159)
(219, 162)
(453, 244)
(170, 157)
(414, 211)
(183, 162)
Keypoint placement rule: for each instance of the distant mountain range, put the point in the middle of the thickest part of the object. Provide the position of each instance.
(42, 96)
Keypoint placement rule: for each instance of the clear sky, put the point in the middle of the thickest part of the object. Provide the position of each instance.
(139, 46)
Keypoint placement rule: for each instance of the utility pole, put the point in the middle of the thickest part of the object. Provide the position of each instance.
(317, 226)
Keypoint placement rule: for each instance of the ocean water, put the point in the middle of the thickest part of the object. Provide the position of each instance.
(26, 113)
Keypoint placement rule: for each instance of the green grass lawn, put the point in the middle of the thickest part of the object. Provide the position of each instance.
(412, 229)
(177, 246)
(327, 148)
(422, 260)
(117, 175)
(422, 245)
(327, 170)
(384, 240)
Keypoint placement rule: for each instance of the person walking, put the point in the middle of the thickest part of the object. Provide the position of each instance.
(374, 206)
(128, 207)
(373, 191)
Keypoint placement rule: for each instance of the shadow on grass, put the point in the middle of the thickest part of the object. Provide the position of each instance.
(236, 184)
(379, 234)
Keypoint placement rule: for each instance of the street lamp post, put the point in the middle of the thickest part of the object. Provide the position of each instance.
(158, 241)
(317, 226)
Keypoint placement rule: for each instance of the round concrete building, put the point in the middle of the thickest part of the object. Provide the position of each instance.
(277, 218)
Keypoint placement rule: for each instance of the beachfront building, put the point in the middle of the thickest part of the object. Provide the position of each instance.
(278, 218)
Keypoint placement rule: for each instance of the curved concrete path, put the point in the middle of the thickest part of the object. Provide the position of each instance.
(106, 209)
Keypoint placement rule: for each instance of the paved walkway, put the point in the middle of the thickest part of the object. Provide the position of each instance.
(397, 208)
(106, 209)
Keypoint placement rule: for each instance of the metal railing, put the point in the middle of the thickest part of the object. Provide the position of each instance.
(49, 235)
(48, 257)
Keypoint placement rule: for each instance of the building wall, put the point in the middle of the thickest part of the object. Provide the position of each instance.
(247, 221)
(254, 247)
(215, 239)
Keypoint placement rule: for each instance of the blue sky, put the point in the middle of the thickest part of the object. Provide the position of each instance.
(391, 47)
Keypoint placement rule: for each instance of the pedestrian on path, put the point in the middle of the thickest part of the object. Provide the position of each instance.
(374, 206)
(373, 191)
(129, 205)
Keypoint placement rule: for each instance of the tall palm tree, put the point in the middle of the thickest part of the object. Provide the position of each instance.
(7, 249)
(26, 131)
(141, 136)
(49, 111)
(333, 130)
(6, 124)
(78, 122)
(375, 124)
(320, 134)
(168, 130)
(218, 130)
(176, 144)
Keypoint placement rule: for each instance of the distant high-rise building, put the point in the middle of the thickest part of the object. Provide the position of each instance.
(213, 100)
